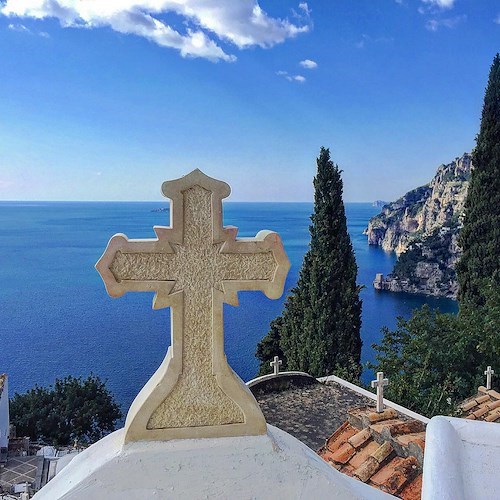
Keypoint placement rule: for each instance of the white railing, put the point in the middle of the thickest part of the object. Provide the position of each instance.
(368, 394)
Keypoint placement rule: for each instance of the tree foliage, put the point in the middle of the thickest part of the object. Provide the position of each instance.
(319, 329)
(74, 408)
(430, 363)
(480, 235)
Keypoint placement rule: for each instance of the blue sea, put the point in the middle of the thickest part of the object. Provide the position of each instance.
(56, 318)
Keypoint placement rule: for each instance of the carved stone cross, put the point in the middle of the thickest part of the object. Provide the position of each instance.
(380, 383)
(276, 365)
(194, 266)
(489, 372)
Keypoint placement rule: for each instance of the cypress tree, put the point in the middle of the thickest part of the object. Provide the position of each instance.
(319, 329)
(479, 266)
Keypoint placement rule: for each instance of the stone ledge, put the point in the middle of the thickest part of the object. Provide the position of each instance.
(280, 382)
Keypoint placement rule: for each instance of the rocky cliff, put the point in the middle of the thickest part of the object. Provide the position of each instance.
(422, 228)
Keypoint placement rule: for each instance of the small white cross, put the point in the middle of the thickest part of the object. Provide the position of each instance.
(380, 383)
(276, 364)
(489, 372)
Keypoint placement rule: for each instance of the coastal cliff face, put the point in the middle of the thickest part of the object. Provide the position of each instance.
(422, 228)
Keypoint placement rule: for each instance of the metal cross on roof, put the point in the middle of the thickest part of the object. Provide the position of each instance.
(194, 266)
(489, 372)
(276, 365)
(380, 383)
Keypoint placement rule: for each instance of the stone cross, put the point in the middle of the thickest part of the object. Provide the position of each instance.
(276, 365)
(489, 372)
(380, 383)
(194, 266)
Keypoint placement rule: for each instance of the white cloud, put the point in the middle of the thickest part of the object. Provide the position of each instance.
(442, 4)
(308, 64)
(305, 8)
(365, 39)
(450, 22)
(497, 19)
(362, 42)
(19, 27)
(241, 23)
(291, 78)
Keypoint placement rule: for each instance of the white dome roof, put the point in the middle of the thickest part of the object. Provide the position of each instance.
(275, 465)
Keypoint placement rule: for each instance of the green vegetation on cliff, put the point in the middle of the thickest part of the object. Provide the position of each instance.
(436, 360)
(319, 329)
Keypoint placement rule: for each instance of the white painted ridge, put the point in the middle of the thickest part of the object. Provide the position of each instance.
(368, 394)
(270, 376)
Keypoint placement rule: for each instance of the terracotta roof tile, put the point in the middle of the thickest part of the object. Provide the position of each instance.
(481, 410)
(406, 427)
(493, 416)
(406, 439)
(482, 399)
(491, 392)
(386, 424)
(484, 406)
(469, 405)
(373, 463)
(363, 454)
(343, 454)
(366, 470)
(494, 394)
(396, 474)
(413, 490)
(493, 404)
(340, 436)
(360, 438)
(383, 474)
(384, 450)
(386, 414)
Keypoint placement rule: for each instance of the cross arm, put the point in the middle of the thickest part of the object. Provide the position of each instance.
(258, 263)
(138, 265)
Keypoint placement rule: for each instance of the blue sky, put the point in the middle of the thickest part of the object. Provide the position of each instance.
(105, 100)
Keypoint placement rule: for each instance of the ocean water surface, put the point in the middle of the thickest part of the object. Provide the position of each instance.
(56, 318)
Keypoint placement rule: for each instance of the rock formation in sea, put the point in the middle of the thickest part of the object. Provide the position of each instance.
(422, 228)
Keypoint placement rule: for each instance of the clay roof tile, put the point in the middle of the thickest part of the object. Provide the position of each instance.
(396, 474)
(493, 416)
(494, 394)
(413, 490)
(483, 406)
(482, 399)
(360, 438)
(343, 454)
(386, 453)
(340, 436)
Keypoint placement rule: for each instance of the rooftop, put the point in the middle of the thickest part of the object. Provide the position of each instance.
(306, 411)
(384, 450)
(21, 470)
(484, 406)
